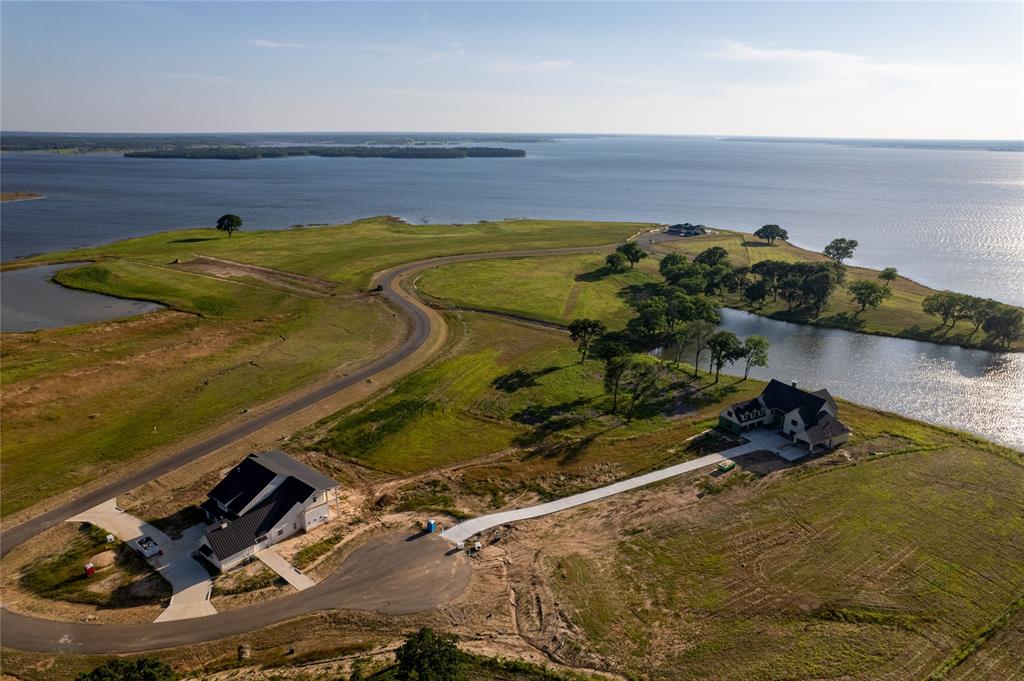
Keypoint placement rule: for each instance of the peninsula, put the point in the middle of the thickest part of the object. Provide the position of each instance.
(282, 341)
(240, 153)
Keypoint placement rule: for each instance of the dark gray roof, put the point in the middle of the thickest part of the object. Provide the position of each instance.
(241, 485)
(744, 410)
(786, 398)
(826, 427)
(243, 532)
(282, 464)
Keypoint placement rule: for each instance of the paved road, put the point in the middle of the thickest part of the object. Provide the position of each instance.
(394, 575)
(21, 632)
(759, 441)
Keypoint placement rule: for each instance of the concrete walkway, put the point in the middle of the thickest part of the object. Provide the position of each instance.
(276, 562)
(190, 582)
(759, 440)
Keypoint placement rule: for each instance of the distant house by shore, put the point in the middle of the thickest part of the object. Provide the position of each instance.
(265, 499)
(686, 229)
(805, 417)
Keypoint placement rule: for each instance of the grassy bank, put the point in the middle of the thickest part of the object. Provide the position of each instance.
(349, 254)
(560, 289)
(900, 315)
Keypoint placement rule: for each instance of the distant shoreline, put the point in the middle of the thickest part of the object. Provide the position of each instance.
(11, 197)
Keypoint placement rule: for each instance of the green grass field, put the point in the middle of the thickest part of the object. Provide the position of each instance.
(560, 289)
(83, 401)
(80, 402)
(500, 385)
(350, 254)
(877, 569)
(555, 289)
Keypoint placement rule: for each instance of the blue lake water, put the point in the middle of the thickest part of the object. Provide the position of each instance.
(948, 218)
(971, 390)
(31, 300)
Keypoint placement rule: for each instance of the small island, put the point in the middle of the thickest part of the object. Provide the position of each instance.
(240, 153)
(19, 196)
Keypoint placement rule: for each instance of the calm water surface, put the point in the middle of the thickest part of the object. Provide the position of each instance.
(30, 300)
(949, 218)
(972, 390)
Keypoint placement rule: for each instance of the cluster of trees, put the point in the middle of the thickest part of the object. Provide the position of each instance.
(677, 313)
(802, 285)
(1002, 324)
(242, 153)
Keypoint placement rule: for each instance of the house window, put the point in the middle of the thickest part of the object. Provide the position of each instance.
(295, 526)
(280, 532)
(792, 422)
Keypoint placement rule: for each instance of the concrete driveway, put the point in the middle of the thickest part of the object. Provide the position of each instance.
(190, 582)
(758, 441)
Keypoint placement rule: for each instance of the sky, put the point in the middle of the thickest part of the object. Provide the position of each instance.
(809, 69)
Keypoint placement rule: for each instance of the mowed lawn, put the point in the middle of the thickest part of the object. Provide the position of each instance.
(349, 254)
(81, 402)
(555, 289)
(900, 315)
(878, 569)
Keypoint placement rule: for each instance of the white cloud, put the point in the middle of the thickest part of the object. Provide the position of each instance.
(273, 44)
(547, 65)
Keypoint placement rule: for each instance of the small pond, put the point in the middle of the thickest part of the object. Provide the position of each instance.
(972, 390)
(30, 300)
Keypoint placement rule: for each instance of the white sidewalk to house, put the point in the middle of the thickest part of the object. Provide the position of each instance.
(759, 440)
(190, 582)
(276, 562)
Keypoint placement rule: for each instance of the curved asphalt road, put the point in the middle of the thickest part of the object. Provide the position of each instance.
(28, 633)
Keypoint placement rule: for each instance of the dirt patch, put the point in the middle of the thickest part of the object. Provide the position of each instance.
(103, 559)
(289, 281)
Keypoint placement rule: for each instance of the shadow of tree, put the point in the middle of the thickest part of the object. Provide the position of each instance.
(756, 244)
(844, 320)
(520, 378)
(634, 294)
(547, 421)
(192, 240)
(595, 275)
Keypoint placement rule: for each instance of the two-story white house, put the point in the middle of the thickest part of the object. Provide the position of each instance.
(265, 499)
(807, 417)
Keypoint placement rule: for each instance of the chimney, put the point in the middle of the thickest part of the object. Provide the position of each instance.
(223, 524)
(793, 384)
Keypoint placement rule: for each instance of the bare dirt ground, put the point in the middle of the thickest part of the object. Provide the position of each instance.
(288, 281)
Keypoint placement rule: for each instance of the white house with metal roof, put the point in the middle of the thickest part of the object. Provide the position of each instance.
(265, 499)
